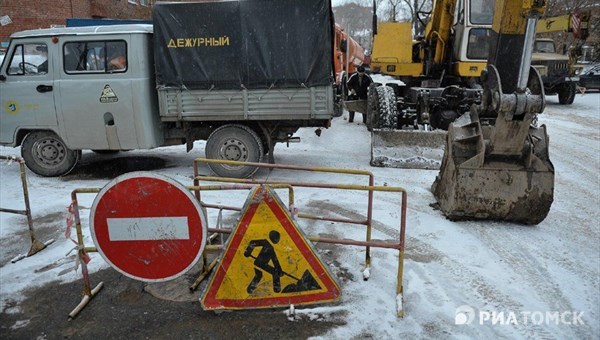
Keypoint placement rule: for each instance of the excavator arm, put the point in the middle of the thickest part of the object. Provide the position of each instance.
(496, 163)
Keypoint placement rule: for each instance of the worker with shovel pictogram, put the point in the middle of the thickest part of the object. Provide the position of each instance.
(263, 261)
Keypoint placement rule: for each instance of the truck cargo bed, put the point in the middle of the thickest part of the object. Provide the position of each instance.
(314, 103)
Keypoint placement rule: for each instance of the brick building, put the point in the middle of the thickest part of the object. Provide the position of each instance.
(18, 15)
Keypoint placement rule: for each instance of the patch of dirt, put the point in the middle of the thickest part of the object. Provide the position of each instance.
(45, 228)
(124, 310)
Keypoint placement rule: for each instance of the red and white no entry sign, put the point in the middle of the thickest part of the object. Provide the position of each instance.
(147, 226)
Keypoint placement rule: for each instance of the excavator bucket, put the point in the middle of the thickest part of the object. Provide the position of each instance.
(471, 186)
(408, 149)
(500, 171)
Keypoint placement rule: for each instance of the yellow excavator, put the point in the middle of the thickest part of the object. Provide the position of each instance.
(496, 163)
(470, 74)
(435, 80)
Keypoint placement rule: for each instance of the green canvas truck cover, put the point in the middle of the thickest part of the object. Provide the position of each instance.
(248, 44)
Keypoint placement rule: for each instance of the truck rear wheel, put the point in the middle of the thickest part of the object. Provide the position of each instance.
(566, 94)
(235, 143)
(47, 155)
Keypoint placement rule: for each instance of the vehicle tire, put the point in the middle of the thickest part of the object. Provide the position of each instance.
(47, 155)
(388, 111)
(373, 107)
(566, 94)
(235, 143)
(344, 86)
(338, 108)
(341, 97)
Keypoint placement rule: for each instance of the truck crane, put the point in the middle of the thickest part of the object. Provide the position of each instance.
(496, 163)
(560, 72)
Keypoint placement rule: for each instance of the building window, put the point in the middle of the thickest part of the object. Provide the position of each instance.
(29, 59)
(95, 57)
(144, 3)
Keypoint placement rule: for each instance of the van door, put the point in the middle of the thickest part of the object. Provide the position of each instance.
(27, 89)
(95, 90)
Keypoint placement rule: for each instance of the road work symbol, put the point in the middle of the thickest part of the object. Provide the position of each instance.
(262, 262)
(268, 262)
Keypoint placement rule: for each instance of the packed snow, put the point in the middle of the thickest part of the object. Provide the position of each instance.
(474, 279)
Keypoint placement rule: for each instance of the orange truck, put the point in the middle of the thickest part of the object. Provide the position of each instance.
(347, 56)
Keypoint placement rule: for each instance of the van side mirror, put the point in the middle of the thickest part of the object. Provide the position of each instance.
(2, 77)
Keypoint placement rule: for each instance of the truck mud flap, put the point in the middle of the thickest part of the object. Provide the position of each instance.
(407, 149)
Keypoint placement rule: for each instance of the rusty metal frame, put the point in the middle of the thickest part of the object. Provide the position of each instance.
(208, 267)
(368, 222)
(36, 245)
(370, 189)
(89, 293)
(82, 250)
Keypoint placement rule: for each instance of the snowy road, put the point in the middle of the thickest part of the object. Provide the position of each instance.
(516, 281)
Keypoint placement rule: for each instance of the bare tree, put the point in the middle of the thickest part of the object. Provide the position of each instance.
(414, 7)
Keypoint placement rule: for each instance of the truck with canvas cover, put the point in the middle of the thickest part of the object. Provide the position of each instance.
(242, 75)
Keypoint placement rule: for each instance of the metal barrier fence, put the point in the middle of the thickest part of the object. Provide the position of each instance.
(370, 189)
(82, 250)
(247, 184)
(36, 245)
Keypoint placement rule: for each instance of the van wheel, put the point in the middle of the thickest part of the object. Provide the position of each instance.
(234, 143)
(47, 155)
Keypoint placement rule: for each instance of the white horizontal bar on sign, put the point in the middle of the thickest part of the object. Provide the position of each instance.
(148, 228)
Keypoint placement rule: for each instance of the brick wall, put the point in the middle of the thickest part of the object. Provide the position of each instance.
(43, 13)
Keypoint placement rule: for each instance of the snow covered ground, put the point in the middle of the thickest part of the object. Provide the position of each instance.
(498, 279)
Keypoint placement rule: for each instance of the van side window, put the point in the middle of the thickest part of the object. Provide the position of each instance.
(95, 57)
(29, 59)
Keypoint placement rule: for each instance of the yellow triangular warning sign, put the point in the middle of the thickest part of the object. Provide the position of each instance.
(268, 262)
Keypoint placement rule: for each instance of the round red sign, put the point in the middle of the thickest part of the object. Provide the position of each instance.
(147, 226)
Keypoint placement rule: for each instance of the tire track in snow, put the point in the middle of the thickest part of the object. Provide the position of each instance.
(478, 284)
(514, 249)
